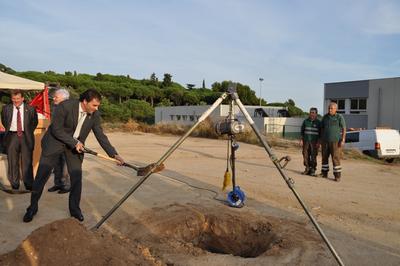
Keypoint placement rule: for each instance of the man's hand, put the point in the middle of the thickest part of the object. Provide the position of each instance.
(120, 160)
(79, 147)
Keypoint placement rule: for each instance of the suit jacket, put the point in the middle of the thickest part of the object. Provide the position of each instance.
(30, 123)
(65, 120)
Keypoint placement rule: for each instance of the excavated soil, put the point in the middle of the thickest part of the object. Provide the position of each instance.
(175, 235)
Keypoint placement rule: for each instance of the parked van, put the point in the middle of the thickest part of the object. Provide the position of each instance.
(379, 143)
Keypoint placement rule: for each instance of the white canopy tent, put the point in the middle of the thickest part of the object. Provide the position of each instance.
(12, 82)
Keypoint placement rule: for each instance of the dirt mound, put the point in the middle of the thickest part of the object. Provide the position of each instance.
(175, 235)
(66, 242)
(194, 235)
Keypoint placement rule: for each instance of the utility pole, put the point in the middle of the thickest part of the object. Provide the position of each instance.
(261, 80)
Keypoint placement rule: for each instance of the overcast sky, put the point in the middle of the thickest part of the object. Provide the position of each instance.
(295, 46)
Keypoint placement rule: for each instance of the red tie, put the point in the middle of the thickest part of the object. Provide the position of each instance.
(19, 123)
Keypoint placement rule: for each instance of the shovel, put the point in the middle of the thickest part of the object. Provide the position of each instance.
(141, 171)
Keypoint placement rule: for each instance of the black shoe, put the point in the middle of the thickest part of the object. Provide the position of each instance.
(306, 171)
(323, 175)
(312, 173)
(28, 217)
(27, 187)
(54, 188)
(79, 217)
(15, 187)
(63, 190)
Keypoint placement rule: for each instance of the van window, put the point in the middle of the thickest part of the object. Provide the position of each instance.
(352, 137)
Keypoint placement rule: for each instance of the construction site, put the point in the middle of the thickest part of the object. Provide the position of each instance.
(180, 216)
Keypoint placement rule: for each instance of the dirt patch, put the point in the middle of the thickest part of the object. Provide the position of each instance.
(192, 234)
(175, 235)
(66, 242)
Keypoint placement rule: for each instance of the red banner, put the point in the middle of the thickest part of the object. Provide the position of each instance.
(41, 103)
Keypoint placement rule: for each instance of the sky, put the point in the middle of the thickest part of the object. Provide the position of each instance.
(294, 46)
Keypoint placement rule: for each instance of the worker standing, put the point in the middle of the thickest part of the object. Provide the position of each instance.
(333, 135)
(310, 135)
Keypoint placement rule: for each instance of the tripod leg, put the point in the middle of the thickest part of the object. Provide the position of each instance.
(287, 179)
(161, 160)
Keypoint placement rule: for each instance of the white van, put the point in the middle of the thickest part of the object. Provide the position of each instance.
(379, 143)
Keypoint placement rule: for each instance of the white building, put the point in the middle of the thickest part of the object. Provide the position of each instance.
(269, 119)
(366, 103)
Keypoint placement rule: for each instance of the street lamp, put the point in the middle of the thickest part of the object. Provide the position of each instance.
(261, 80)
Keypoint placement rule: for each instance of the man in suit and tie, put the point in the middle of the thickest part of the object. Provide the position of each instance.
(72, 122)
(19, 120)
(61, 176)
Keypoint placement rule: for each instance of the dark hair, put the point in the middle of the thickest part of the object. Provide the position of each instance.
(314, 109)
(16, 92)
(89, 95)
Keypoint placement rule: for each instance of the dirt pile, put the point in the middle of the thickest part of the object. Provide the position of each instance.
(66, 242)
(175, 235)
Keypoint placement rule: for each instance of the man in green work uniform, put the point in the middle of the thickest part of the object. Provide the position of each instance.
(333, 133)
(310, 134)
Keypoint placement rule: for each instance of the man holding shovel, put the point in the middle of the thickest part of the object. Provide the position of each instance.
(72, 122)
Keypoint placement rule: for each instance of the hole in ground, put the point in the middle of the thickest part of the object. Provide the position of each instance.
(236, 236)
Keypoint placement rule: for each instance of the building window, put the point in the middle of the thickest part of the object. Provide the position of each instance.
(178, 117)
(172, 117)
(191, 118)
(184, 117)
(358, 106)
(341, 105)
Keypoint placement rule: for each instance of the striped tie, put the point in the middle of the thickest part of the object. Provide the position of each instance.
(19, 123)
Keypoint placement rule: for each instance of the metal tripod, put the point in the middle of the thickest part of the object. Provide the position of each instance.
(234, 97)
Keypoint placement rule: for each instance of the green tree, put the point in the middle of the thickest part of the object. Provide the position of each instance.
(167, 81)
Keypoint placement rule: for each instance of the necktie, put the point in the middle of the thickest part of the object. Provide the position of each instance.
(19, 123)
(79, 125)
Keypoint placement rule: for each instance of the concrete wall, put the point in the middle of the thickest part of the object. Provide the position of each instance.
(383, 98)
(384, 103)
(283, 126)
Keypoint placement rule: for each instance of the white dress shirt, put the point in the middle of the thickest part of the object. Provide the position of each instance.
(81, 118)
(13, 126)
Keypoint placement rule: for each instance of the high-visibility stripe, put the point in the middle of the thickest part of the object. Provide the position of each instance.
(337, 167)
(311, 128)
(337, 170)
(311, 133)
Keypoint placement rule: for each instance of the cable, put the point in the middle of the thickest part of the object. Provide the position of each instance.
(173, 178)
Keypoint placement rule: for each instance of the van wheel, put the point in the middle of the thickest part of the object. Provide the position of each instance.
(390, 160)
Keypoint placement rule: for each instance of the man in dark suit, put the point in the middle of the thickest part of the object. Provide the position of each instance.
(19, 120)
(72, 122)
(61, 176)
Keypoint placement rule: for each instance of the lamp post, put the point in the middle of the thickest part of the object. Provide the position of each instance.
(261, 80)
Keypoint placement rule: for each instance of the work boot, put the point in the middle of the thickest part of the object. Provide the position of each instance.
(306, 171)
(312, 172)
(337, 177)
(323, 174)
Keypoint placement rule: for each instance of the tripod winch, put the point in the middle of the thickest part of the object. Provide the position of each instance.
(237, 195)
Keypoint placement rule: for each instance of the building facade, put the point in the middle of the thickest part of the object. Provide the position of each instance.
(269, 119)
(366, 104)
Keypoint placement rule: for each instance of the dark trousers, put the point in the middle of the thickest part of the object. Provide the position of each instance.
(19, 157)
(46, 165)
(331, 149)
(310, 152)
(61, 176)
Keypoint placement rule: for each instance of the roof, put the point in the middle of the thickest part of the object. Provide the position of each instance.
(12, 82)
